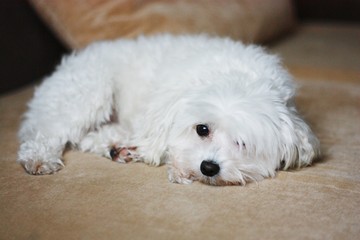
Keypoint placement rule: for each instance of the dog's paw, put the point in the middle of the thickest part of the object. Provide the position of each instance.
(180, 180)
(42, 168)
(175, 176)
(124, 154)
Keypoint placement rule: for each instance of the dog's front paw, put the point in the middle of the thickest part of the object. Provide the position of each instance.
(176, 176)
(124, 154)
(42, 168)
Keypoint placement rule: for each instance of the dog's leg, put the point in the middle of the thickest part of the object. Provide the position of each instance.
(76, 99)
(44, 137)
(111, 141)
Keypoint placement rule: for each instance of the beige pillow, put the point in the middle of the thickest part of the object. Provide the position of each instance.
(77, 23)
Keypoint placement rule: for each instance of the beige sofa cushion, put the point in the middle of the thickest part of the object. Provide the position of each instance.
(78, 23)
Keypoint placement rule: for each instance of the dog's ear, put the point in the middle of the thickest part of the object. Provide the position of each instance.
(153, 134)
(299, 146)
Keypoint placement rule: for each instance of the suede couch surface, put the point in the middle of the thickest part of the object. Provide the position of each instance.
(94, 198)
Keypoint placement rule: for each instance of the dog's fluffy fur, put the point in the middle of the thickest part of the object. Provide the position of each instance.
(213, 109)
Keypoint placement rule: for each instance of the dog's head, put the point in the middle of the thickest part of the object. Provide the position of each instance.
(227, 122)
(236, 131)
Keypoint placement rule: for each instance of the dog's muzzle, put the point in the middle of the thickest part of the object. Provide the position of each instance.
(209, 168)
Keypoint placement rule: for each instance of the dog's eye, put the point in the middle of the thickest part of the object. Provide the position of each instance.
(202, 130)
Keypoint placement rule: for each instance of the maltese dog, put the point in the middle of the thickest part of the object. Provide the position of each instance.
(213, 109)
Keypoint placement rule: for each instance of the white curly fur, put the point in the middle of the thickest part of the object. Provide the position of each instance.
(153, 92)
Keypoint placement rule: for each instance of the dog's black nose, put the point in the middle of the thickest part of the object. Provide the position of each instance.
(209, 168)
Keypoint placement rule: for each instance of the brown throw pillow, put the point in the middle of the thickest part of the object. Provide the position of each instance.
(77, 23)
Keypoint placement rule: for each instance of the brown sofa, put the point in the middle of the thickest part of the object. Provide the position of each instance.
(94, 198)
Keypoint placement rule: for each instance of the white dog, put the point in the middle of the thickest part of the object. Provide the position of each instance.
(214, 110)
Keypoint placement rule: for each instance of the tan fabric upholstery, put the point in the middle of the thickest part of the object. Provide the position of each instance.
(94, 198)
(78, 23)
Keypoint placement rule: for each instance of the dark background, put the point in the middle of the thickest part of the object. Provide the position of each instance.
(29, 50)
